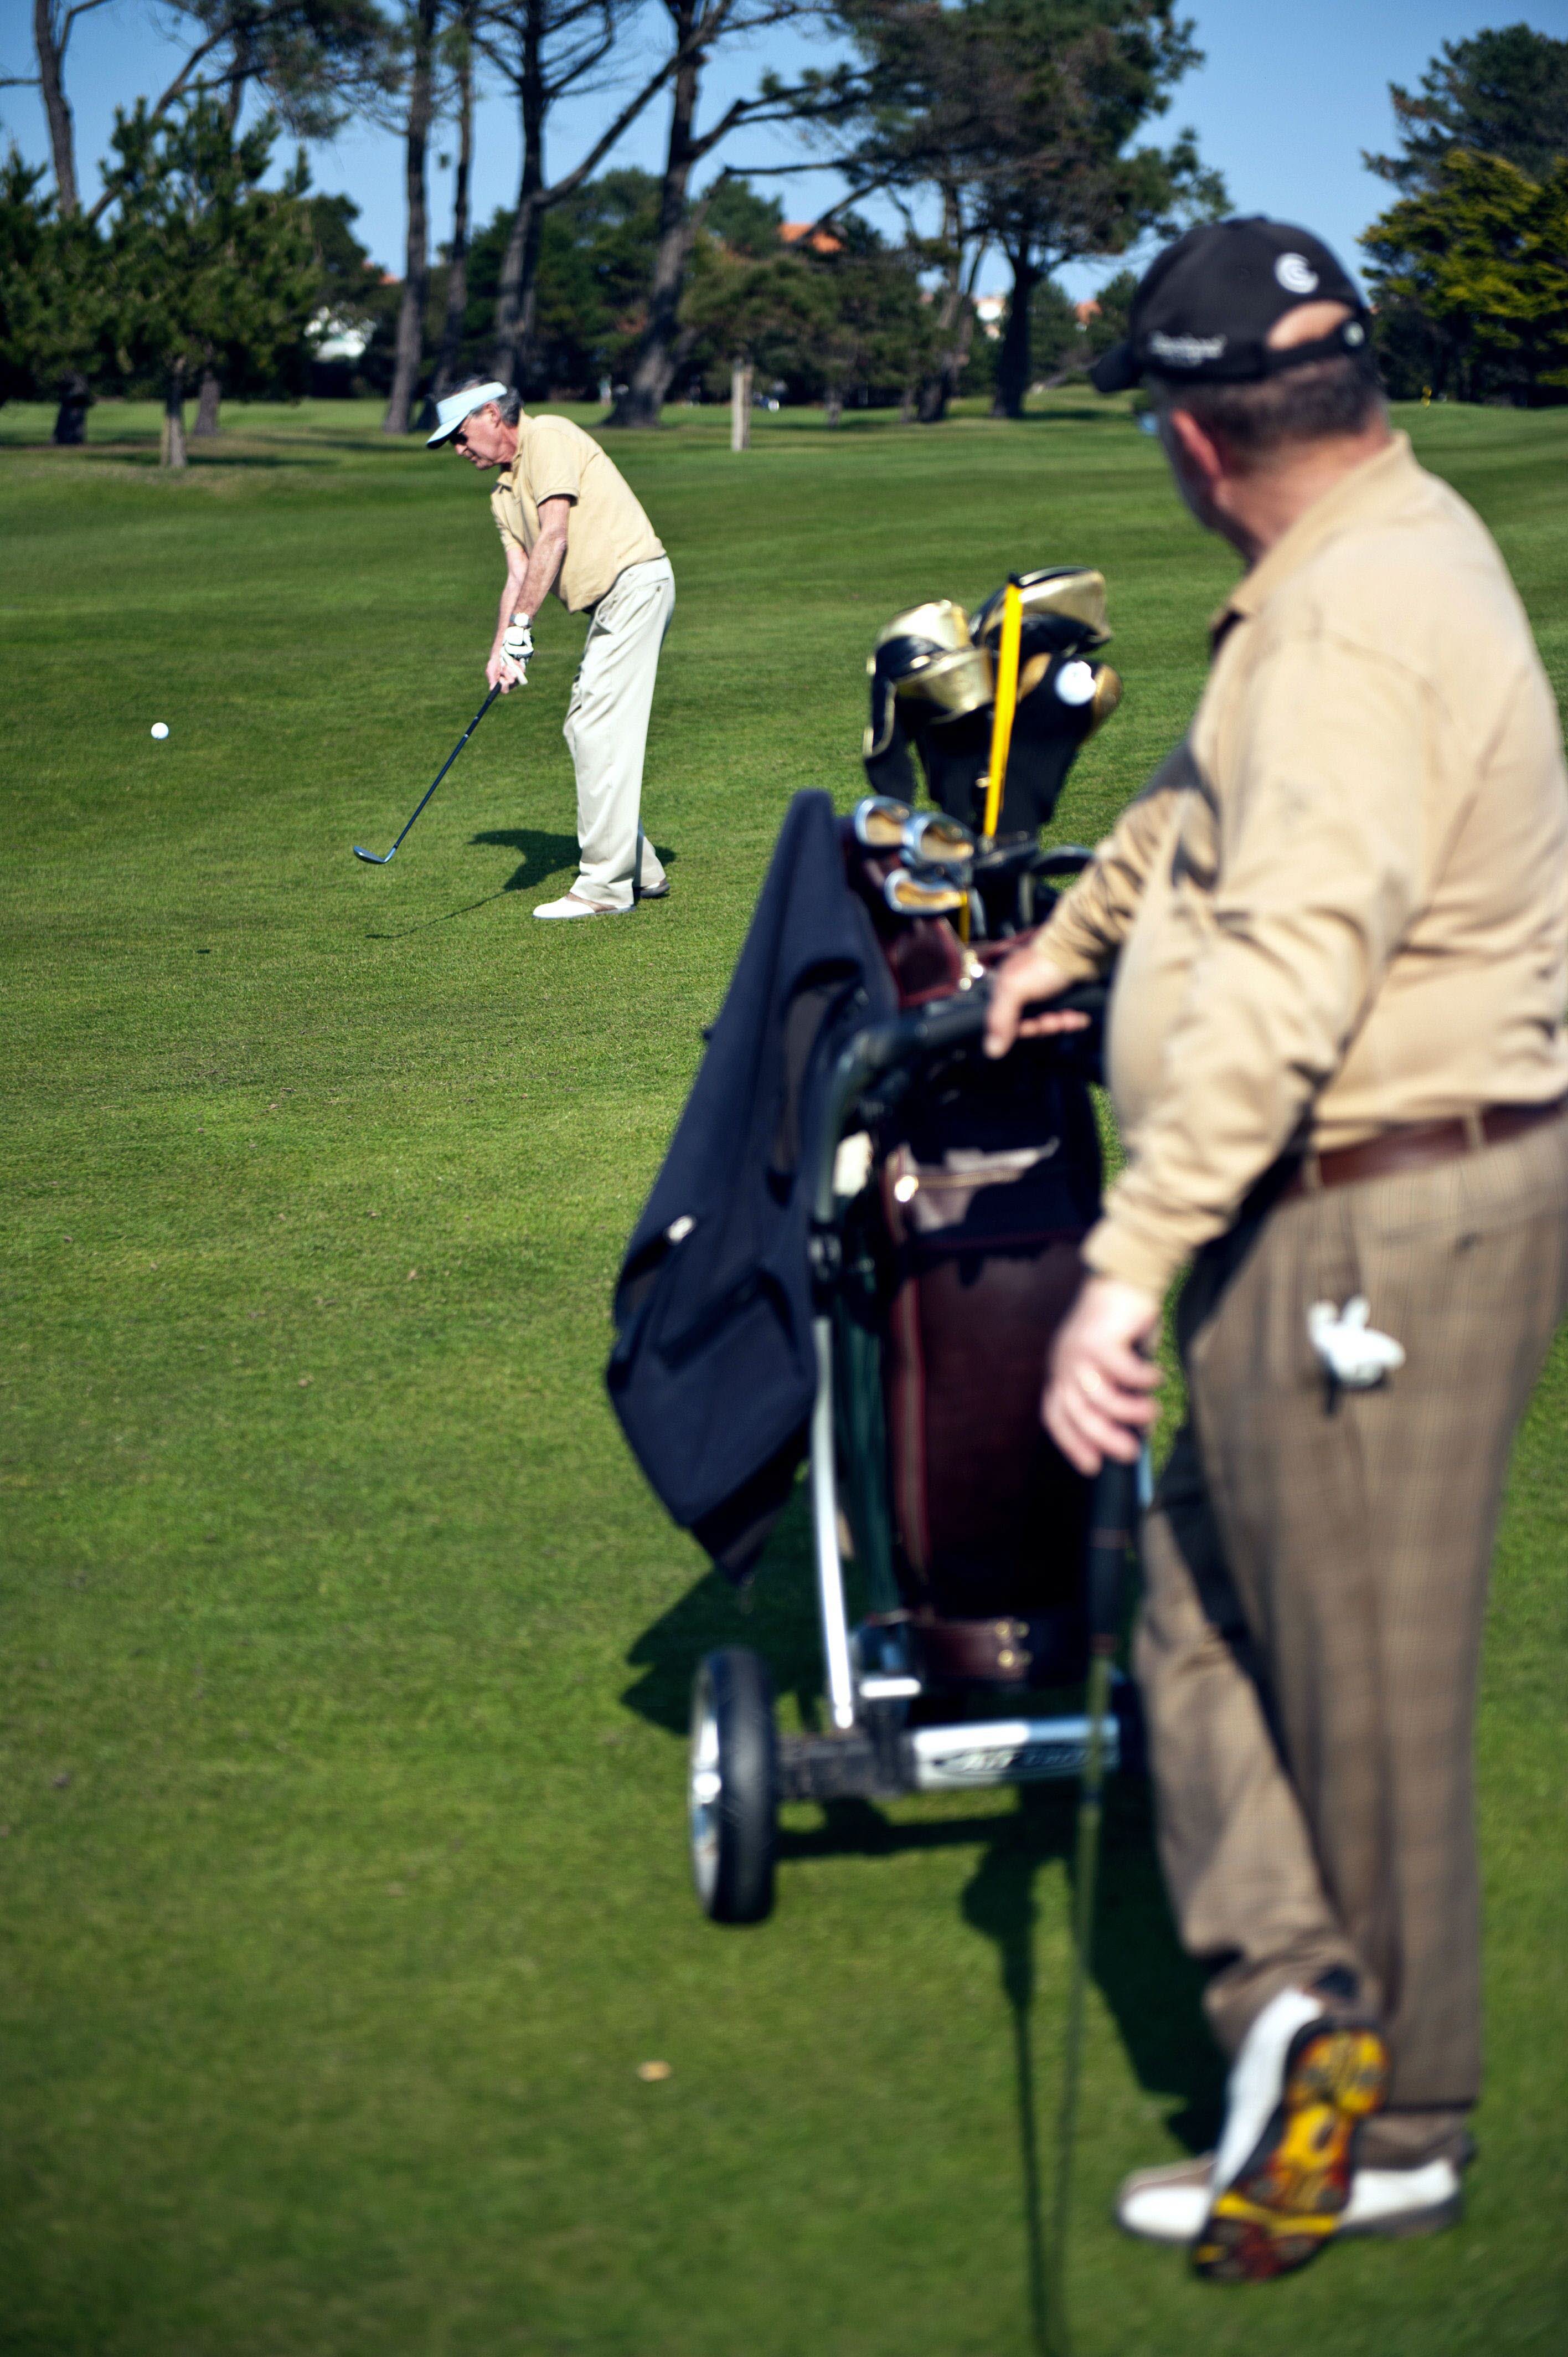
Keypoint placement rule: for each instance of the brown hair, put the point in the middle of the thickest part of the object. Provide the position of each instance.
(1314, 403)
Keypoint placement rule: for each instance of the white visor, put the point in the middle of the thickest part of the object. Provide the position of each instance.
(450, 413)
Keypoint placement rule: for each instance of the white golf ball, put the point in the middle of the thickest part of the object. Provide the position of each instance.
(160, 729)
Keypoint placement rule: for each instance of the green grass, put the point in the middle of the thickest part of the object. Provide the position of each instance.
(343, 1653)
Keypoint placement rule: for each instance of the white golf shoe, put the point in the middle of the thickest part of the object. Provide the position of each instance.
(1281, 2182)
(568, 905)
(1171, 2205)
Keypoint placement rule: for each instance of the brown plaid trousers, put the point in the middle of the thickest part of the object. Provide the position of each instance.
(1315, 1567)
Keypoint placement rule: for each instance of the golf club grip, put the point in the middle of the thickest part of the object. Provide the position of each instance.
(1112, 1524)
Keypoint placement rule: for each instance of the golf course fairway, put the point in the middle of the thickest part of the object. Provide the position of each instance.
(343, 1653)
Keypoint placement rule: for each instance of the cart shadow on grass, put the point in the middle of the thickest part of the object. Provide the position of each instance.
(1149, 1986)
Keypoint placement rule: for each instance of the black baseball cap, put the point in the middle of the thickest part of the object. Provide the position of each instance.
(1204, 308)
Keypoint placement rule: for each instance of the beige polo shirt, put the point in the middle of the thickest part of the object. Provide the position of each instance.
(1342, 904)
(610, 531)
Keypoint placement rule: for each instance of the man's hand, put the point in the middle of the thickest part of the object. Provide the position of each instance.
(1029, 975)
(508, 666)
(1099, 1394)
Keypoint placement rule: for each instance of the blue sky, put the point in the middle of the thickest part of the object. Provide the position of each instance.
(1286, 102)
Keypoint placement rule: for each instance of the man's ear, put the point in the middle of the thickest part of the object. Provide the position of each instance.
(1203, 456)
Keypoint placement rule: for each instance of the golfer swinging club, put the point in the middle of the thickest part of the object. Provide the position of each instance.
(1339, 923)
(570, 522)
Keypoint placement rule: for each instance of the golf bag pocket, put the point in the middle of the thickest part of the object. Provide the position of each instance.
(984, 1248)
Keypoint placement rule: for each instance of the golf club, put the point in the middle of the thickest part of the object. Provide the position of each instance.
(1112, 1518)
(920, 896)
(879, 822)
(380, 858)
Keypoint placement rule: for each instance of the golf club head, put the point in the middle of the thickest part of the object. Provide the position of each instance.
(921, 896)
(376, 859)
(934, 840)
(879, 822)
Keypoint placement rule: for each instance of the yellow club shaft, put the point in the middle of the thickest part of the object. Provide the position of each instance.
(1006, 704)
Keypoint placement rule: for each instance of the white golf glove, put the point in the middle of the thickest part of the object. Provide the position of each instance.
(1355, 1354)
(517, 645)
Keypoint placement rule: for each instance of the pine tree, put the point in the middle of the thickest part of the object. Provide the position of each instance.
(209, 269)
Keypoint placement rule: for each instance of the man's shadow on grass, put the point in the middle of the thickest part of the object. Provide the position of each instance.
(544, 855)
(1150, 1988)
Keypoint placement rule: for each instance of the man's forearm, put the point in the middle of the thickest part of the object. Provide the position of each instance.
(512, 601)
(524, 592)
(543, 564)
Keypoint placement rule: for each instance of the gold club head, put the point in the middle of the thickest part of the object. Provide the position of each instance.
(1074, 592)
(925, 655)
(917, 895)
(934, 840)
(879, 822)
(939, 623)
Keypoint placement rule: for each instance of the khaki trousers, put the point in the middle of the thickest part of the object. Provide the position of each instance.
(1315, 1571)
(606, 730)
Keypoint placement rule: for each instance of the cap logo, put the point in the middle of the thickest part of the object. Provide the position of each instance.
(1186, 351)
(1296, 274)
(1354, 334)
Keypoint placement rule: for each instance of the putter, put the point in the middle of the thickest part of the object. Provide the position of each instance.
(1112, 1518)
(380, 858)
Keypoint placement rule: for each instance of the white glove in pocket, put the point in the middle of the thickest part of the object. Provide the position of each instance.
(1352, 1350)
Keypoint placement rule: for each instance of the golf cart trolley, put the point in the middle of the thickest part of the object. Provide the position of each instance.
(938, 1198)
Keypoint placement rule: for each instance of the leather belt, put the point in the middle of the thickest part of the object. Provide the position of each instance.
(1411, 1148)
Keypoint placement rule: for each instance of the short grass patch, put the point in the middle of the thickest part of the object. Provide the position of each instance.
(343, 1654)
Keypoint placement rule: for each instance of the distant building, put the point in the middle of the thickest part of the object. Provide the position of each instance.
(819, 240)
(334, 339)
(990, 311)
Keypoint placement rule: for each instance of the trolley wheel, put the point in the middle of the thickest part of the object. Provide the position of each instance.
(733, 1791)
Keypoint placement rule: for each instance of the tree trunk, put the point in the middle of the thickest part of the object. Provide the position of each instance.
(517, 289)
(955, 319)
(62, 146)
(1013, 360)
(740, 405)
(932, 405)
(206, 407)
(832, 405)
(71, 417)
(658, 353)
(907, 402)
(416, 266)
(447, 367)
(941, 386)
(172, 451)
(209, 399)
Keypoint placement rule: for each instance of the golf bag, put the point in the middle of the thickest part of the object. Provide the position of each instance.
(959, 1258)
(933, 1221)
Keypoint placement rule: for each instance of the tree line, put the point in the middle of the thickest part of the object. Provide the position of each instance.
(1011, 128)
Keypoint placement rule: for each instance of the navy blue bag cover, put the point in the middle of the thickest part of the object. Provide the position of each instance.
(712, 1374)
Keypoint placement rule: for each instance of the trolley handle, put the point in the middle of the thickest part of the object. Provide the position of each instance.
(928, 1030)
(954, 1022)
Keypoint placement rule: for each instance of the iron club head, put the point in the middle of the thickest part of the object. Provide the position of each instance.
(376, 859)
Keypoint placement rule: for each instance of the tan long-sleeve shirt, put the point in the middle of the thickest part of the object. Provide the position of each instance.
(1342, 904)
